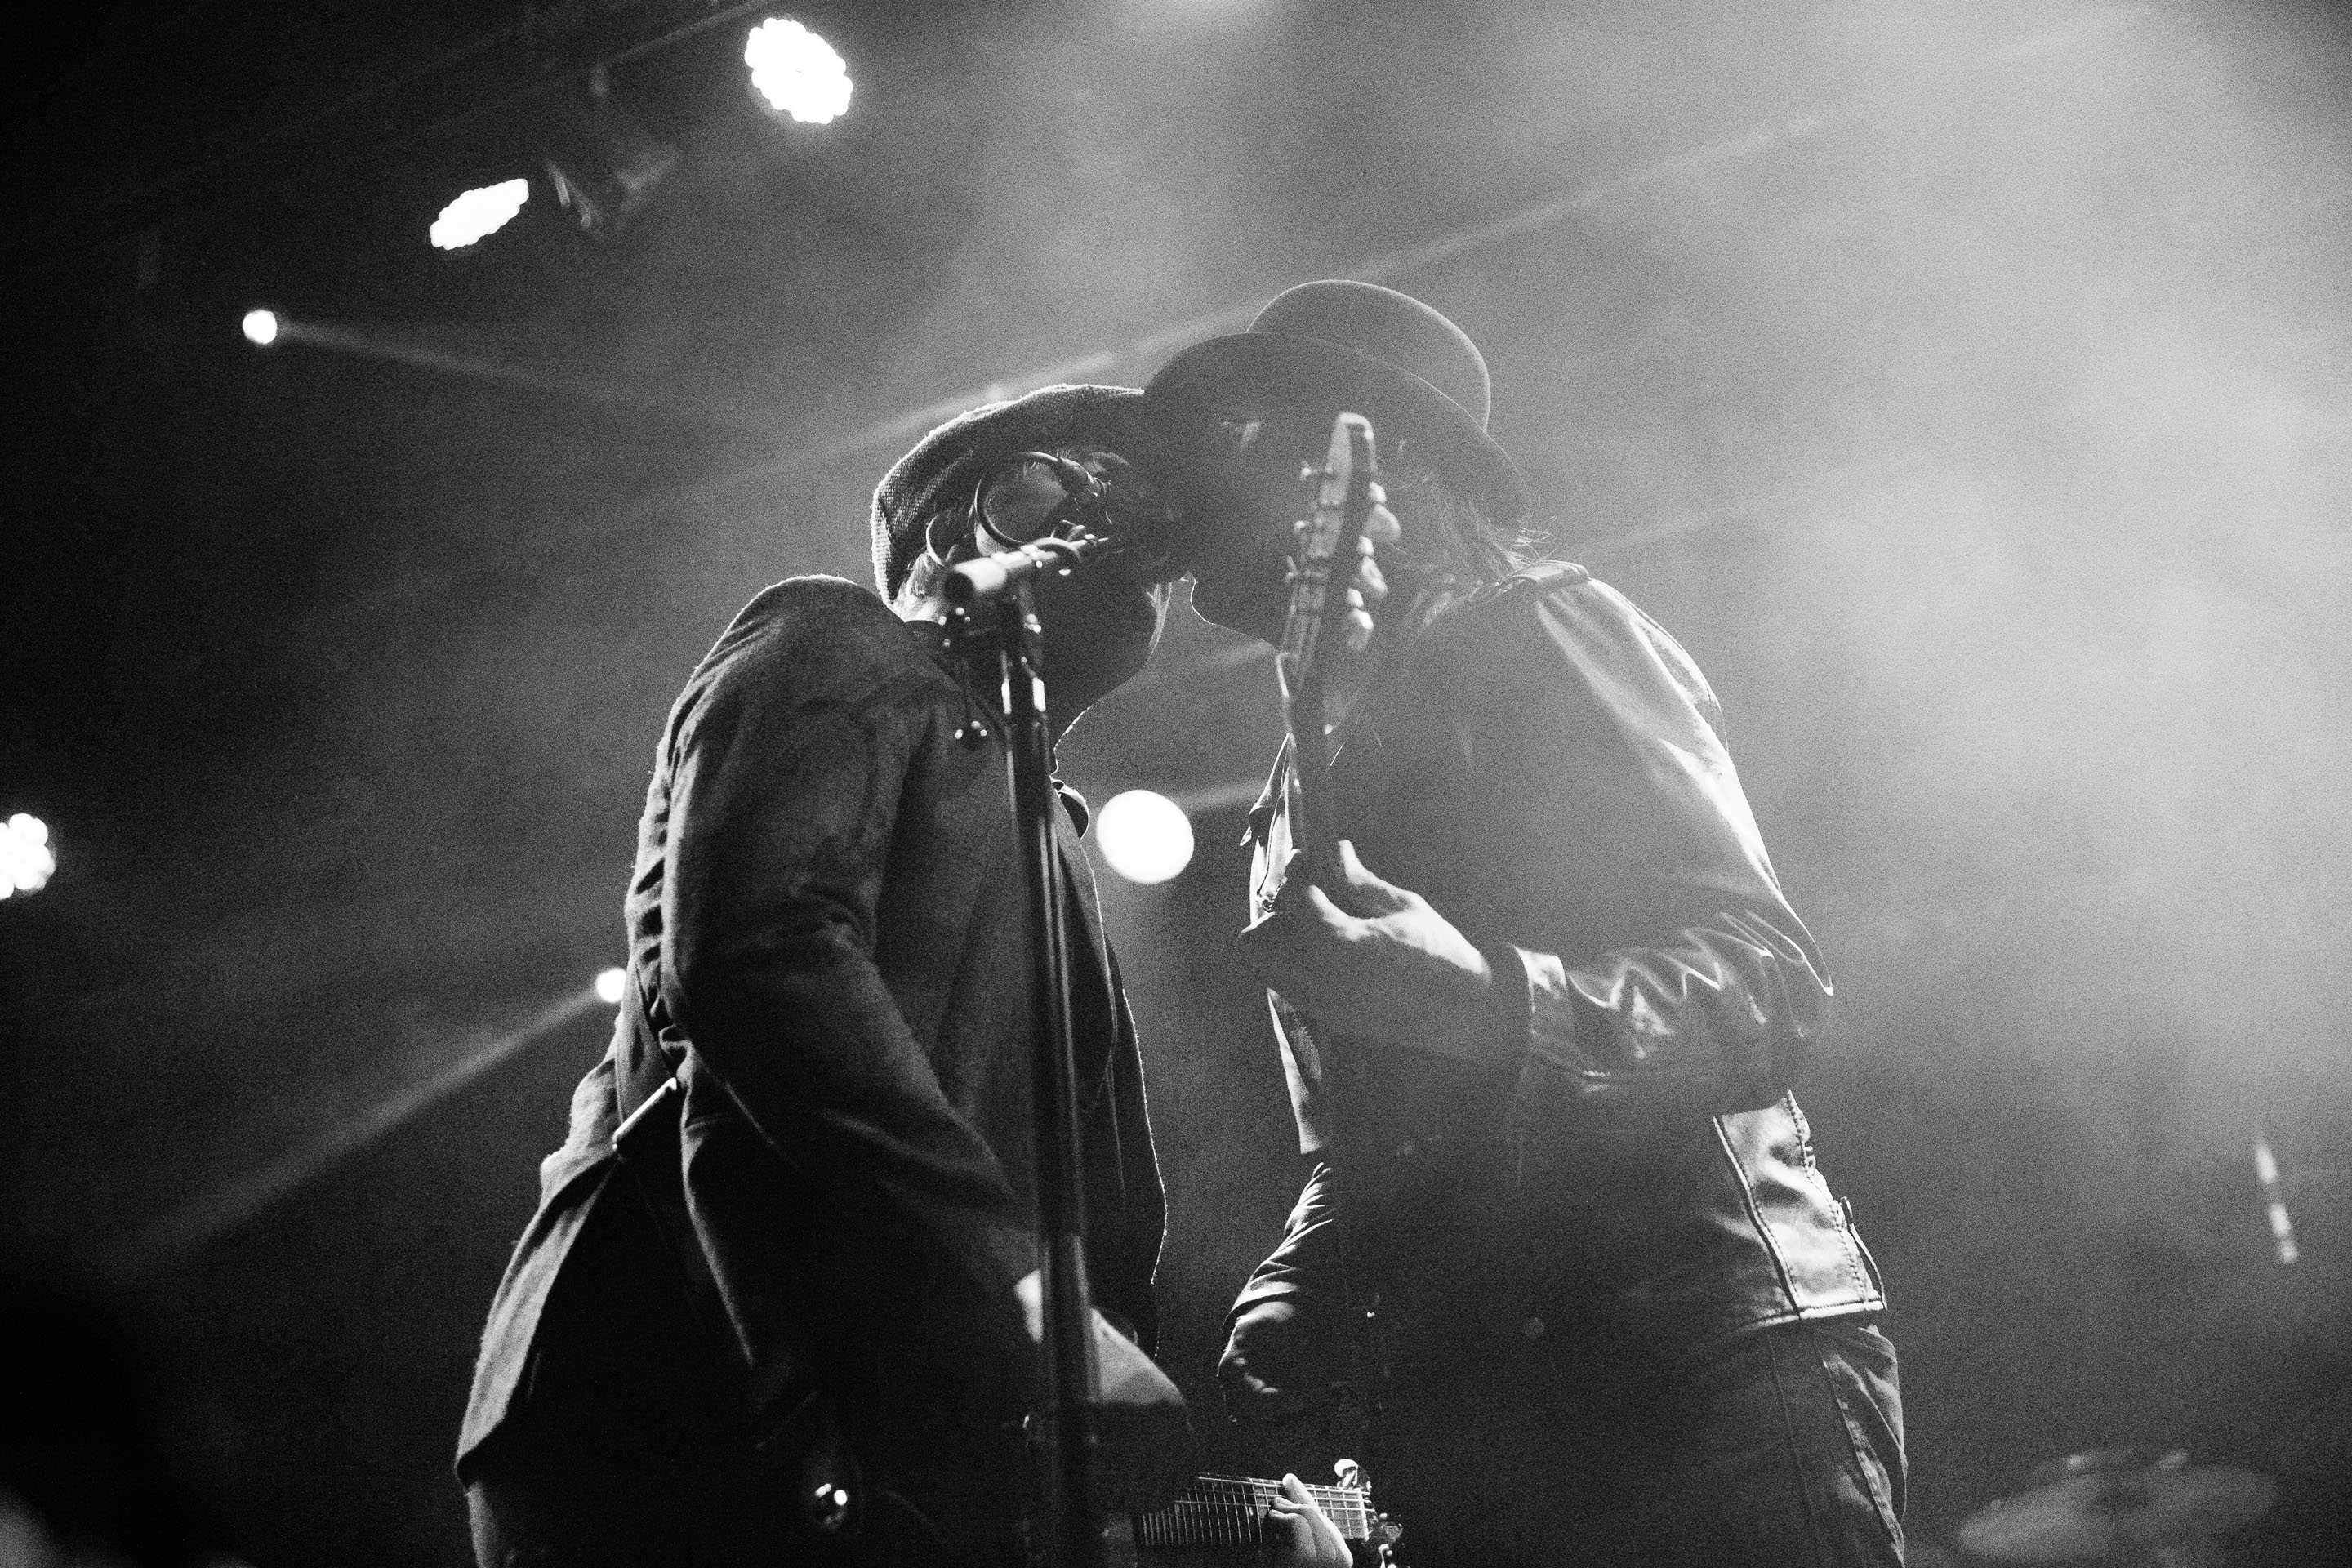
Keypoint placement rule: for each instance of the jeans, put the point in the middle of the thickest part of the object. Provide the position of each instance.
(1779, 1448)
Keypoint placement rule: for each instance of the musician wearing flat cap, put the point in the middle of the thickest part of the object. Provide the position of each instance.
(790, 1313)
(1540, 1017)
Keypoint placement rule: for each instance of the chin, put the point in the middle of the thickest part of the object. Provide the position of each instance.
(1096, 637)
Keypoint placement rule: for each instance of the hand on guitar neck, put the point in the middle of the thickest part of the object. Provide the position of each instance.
(1352, 953)
(1305, 1536)
(1223, 1521)
(1379, 963)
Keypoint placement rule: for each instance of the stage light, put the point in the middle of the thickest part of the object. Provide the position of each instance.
(2266, 1172)
(27, 861)
(601, 162)
(611, 984)
(261, 328)
(1145, 836)
(478, 213)
(797, 72)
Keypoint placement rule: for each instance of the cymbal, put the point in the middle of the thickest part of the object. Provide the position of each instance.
(2116, 1502)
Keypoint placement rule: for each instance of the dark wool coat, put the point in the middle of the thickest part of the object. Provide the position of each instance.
(826, 915)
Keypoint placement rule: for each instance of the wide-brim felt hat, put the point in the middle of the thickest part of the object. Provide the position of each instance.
(945, 467)
(1339, 345)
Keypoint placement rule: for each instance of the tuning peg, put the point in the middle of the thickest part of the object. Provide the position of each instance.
(1351, 1473)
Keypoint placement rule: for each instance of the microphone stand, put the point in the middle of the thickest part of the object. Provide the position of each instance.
(1006, 624)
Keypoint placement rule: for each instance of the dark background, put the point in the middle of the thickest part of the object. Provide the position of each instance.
(1966, 384)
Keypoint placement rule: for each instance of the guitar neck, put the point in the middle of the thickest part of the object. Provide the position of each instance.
(1316, 629)
(1311, 828)
(1231, 1511)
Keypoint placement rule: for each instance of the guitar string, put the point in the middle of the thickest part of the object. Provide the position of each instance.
(1233, 1511)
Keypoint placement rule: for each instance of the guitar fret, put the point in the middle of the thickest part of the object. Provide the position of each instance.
(1233, 1511)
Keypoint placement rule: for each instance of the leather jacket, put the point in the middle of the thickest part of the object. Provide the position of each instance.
(1546, 765)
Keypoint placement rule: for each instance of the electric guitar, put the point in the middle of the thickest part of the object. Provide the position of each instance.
(1228, 1512)
(1220, 1519)
(1318, 622)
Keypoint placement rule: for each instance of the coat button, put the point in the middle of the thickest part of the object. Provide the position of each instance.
(1533, 1328)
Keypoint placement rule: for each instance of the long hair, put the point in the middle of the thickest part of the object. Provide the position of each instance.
(1446, 532)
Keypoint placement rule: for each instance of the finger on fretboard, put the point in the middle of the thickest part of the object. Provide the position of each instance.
(1231, 1511)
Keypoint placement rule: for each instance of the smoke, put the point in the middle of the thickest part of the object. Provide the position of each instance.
(1967, 386)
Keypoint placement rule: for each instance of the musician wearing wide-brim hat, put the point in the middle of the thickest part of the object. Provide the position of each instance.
(1541, 1022)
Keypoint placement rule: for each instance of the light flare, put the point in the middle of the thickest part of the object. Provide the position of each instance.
(27, 861)
(478, 213)
(1145, 837)
(797, 72)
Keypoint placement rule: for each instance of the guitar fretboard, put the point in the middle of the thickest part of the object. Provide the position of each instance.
(1231, 1511)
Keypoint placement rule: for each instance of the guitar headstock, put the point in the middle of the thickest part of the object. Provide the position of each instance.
(1380, 1534)
(1334, 582)
(1329, 576)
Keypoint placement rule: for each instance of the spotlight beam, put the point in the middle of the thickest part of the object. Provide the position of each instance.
(1146, 352)
(211, 1216)
(370, 345)
(1393, 266)
(133, 208)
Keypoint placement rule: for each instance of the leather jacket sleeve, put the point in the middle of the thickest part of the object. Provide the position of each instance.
(788, 772)
(1286, 1335)
(1665, 972)
(1305, 1268)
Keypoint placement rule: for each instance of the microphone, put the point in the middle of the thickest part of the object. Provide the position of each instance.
(996, 576)
(1037, 513)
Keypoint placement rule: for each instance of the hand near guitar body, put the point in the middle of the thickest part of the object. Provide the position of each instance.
(1280, 1363)
(1378, 962)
